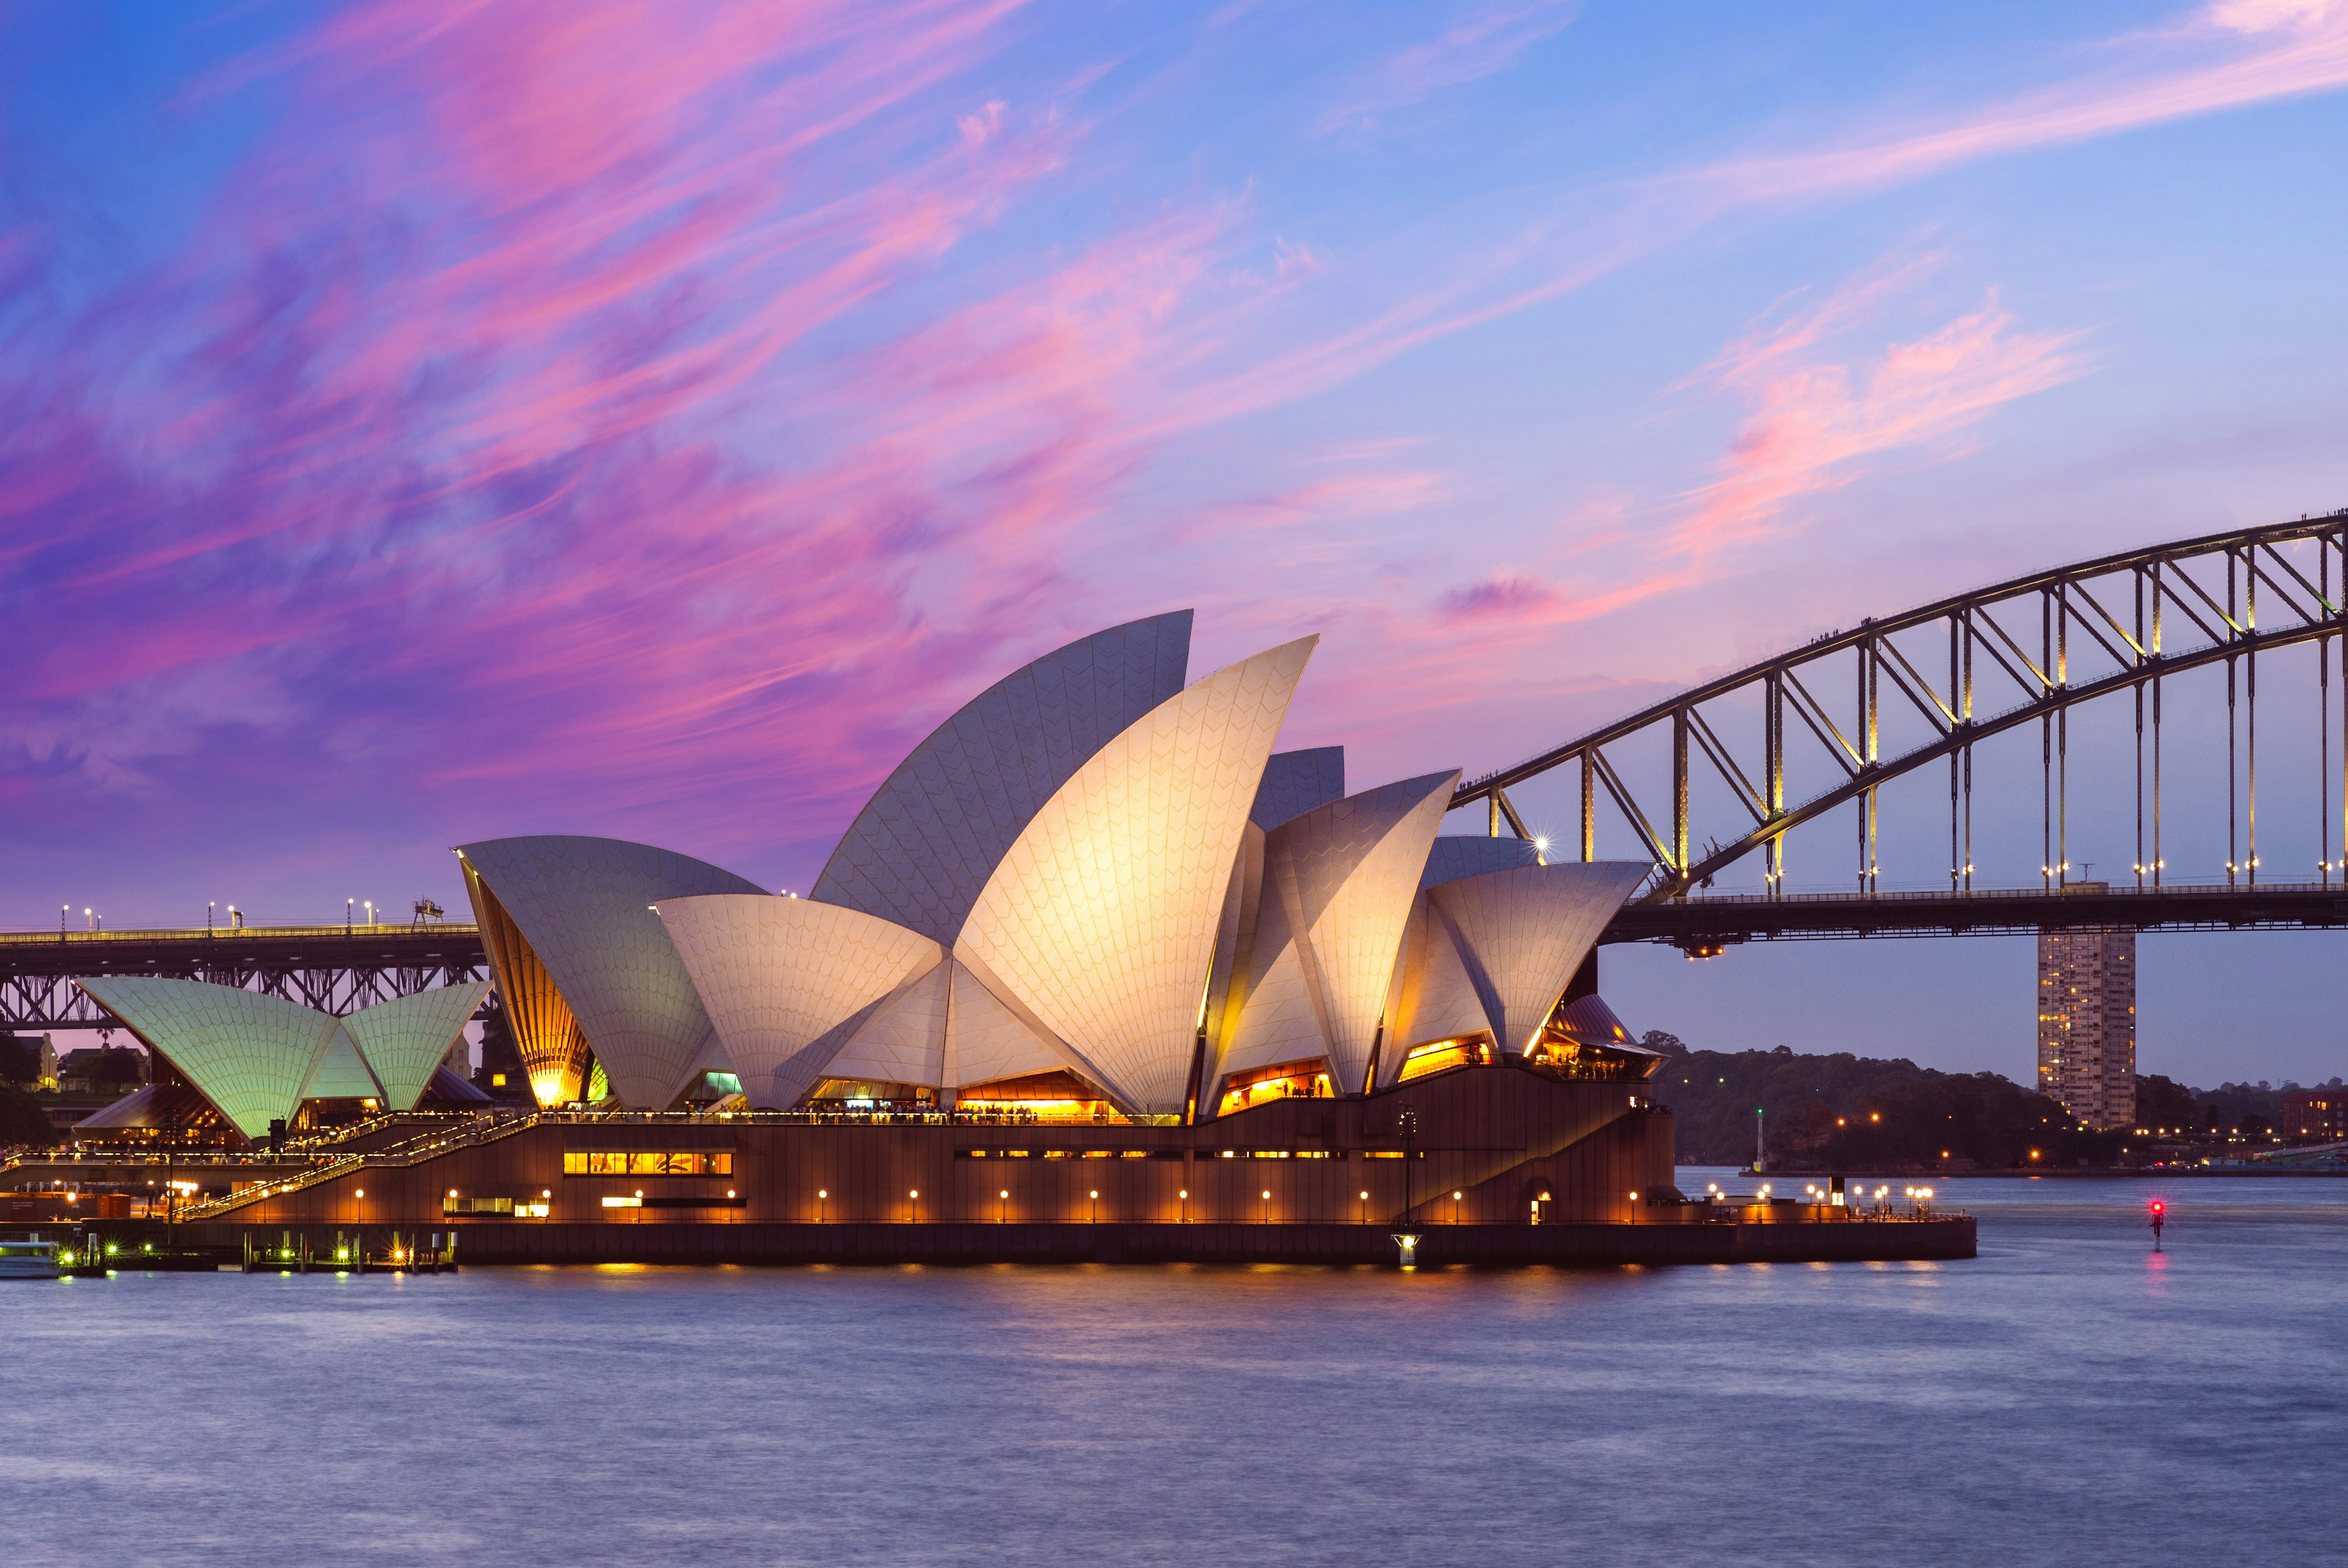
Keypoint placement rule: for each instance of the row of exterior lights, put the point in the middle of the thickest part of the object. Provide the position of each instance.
(93, 921)
(1092, 1196)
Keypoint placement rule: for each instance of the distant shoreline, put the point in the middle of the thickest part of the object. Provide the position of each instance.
(2163, 1171)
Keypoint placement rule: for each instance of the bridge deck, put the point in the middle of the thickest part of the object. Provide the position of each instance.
(336, 968)
(1699, 922)
(342, 969)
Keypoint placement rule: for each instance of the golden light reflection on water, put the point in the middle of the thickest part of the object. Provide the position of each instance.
(2067, 1348)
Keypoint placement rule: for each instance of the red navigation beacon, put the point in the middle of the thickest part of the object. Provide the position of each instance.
(2159, 1214)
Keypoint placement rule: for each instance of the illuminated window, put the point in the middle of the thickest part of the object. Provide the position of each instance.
(635, 1163)
(1306, 1079)
(1441, 1055)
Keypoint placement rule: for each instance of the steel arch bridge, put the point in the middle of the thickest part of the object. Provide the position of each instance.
(1979, 664)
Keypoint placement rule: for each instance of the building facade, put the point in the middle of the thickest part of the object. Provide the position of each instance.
(2313, 1113)
(2086, 1021)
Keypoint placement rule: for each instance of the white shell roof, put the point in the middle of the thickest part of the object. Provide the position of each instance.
(1296, 781)
(585, 906)
(406, 1039)
(921, 850)
(1523, 933)
(903, 1041)
(1433, 996)
(986, 1039)
(1101, 918)
(247, 1053)
(140, 1109)
(1338, 885)
(256, 1057)
(787, 980)
(340, 1072)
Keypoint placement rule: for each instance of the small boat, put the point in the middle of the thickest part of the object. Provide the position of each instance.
(28, 1260)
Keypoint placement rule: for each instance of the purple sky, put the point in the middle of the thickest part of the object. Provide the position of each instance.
(423, 421)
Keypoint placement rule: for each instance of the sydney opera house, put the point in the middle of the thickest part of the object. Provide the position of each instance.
(1095, 949)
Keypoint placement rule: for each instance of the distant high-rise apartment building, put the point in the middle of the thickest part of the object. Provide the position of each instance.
(2086, 1021)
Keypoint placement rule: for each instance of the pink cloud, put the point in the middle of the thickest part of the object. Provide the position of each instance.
(1508, 592)
(482, 432)
(1814, 423)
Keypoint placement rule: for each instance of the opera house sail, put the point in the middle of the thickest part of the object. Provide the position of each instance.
(255, 1059)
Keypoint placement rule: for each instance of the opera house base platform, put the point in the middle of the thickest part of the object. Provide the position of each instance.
(966, 1242)
(1498, 1164)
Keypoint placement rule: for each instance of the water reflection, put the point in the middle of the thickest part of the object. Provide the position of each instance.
(2069, 1396)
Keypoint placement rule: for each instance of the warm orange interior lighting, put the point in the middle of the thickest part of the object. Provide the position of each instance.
(1440, 1055)
(1307, 1080)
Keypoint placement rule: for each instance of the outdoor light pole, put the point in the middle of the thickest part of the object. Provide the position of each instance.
(1407, 1124)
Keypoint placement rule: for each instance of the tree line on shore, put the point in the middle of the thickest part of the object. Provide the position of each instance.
(1842, 1112)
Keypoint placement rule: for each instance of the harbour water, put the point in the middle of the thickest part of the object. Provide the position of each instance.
(2068, 1397)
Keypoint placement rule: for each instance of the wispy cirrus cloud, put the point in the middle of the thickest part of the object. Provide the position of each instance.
(1365, 493)
(2230, 55)
(482, 433)
(2233, 55)
(1814, 418)
(1479, 42)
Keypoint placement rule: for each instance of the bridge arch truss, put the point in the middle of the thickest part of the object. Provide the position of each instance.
(1976, 665)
